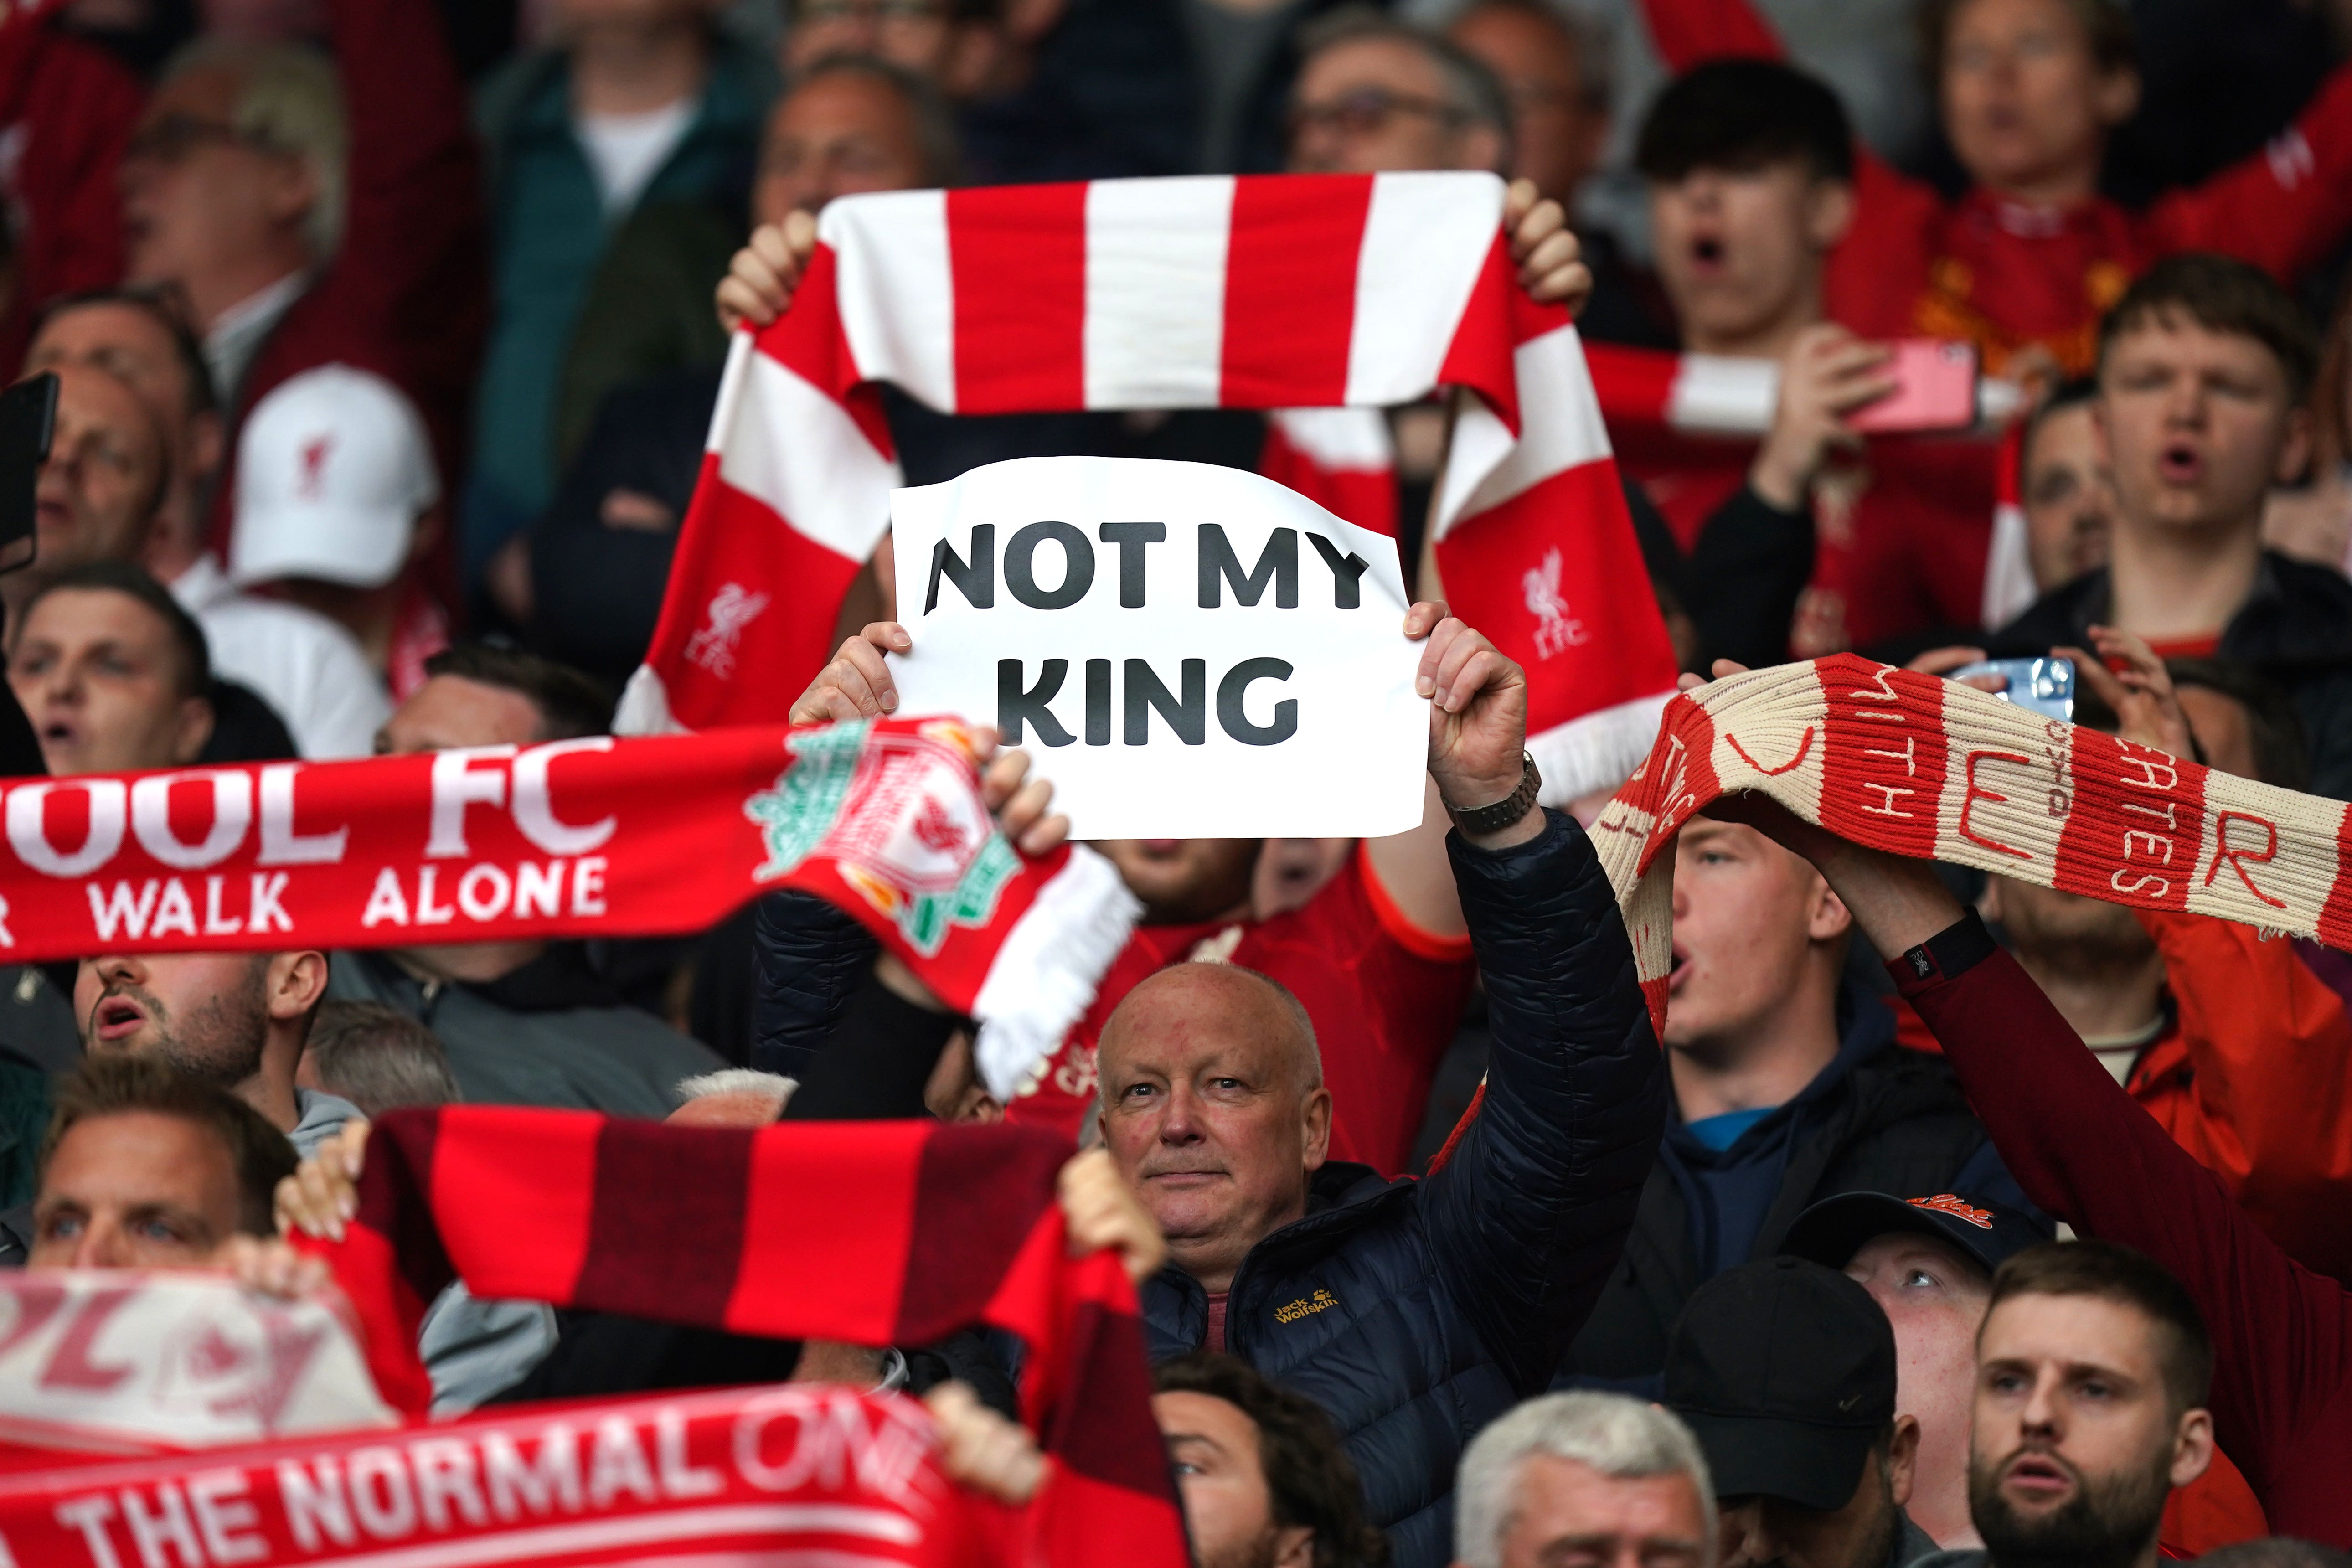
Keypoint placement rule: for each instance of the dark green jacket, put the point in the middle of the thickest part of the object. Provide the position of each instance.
(549, 231)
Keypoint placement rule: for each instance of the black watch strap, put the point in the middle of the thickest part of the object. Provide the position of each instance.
(1950, 952)
(1483, 819)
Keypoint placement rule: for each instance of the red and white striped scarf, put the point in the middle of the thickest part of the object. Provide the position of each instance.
(1929, 768)
(1278, 292)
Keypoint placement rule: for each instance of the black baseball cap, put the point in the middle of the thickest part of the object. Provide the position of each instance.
(1831, 1231)
(1784, 1370)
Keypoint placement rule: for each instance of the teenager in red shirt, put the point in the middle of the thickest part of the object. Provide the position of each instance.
(2025, 263)
(1750, 171)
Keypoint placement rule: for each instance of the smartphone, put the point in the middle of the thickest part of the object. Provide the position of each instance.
(2044, 685)
(1936, 389)
(28, 414)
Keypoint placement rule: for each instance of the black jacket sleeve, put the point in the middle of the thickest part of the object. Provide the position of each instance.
(875, 1065)
(1742, 579)
(811, 959)
(1527, 1220)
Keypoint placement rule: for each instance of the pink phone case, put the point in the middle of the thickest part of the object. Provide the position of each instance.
(1936, 389)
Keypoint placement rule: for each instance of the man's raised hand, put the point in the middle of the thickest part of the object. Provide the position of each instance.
(1102, 1211)
(2147, 711)
(760, 280)
(857, 684)
(1552, 262)
(323, 1192)
(1019, 802)
(982, 1450)
(1477, 714)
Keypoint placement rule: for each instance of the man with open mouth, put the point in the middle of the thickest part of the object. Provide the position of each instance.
(2092, 1369)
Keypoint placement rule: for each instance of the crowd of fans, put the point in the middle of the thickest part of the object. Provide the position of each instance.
(1953, 1218)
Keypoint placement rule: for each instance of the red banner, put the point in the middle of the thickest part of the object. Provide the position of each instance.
(799, 1473)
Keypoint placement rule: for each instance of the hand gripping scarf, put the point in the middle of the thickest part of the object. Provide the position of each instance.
(1277, 291)
(573, 838)
(873, 1233)
(1929, 768)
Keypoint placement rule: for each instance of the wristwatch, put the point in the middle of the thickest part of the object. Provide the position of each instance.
(1482, 819)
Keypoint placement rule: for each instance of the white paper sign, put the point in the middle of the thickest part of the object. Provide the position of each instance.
(1188, 651)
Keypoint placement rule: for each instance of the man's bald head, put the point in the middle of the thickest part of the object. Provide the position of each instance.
(1214, 1107)
(1222, 996)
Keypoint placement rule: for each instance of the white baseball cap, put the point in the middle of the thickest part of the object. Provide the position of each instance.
(334, 468)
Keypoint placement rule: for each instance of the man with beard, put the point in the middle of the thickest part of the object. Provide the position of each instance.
(1929, 1262)
(2092, 1368)
(1785, 1372)
(237, 1020)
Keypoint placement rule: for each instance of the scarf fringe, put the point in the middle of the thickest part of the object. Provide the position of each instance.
(1046, 972)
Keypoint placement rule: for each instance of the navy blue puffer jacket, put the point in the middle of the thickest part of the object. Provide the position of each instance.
(1416, 1311)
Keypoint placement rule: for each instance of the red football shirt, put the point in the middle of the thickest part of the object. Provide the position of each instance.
(1384, 996)
(1901, 535)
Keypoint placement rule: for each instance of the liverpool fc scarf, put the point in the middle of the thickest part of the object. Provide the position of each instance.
(874, 1233)
(574, 838)
(1927, 767)
(1279, 291)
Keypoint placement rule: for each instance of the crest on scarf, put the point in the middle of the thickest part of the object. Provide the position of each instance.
(730, 610)
(900, 815)
(1555, 631)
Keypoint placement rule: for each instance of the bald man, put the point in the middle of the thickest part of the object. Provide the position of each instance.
(1414, 1311)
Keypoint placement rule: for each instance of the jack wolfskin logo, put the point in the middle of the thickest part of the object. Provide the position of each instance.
(1321, 1301)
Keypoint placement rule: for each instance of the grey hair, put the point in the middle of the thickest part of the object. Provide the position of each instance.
(1474, 92)
(378, 1058)
(772, 1086)
(935, 126)
(289, 101)
(1620, 1438)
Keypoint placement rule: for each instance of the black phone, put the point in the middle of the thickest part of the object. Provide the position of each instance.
(28, 418)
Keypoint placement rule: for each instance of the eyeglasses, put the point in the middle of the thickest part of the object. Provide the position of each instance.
(1366, 111)
(170, 138)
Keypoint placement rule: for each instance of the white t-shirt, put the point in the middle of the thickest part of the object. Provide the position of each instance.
(626, 150)
(305, 666)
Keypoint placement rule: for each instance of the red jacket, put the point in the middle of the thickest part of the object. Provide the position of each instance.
(2256, 1082)
(65, 109)
(2004, 275)
(406, 294)
(2085, 1151)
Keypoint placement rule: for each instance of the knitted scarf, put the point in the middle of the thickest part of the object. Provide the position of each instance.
(872, 1233)
(1929, 768)
(574, 838)
(1278, 291)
